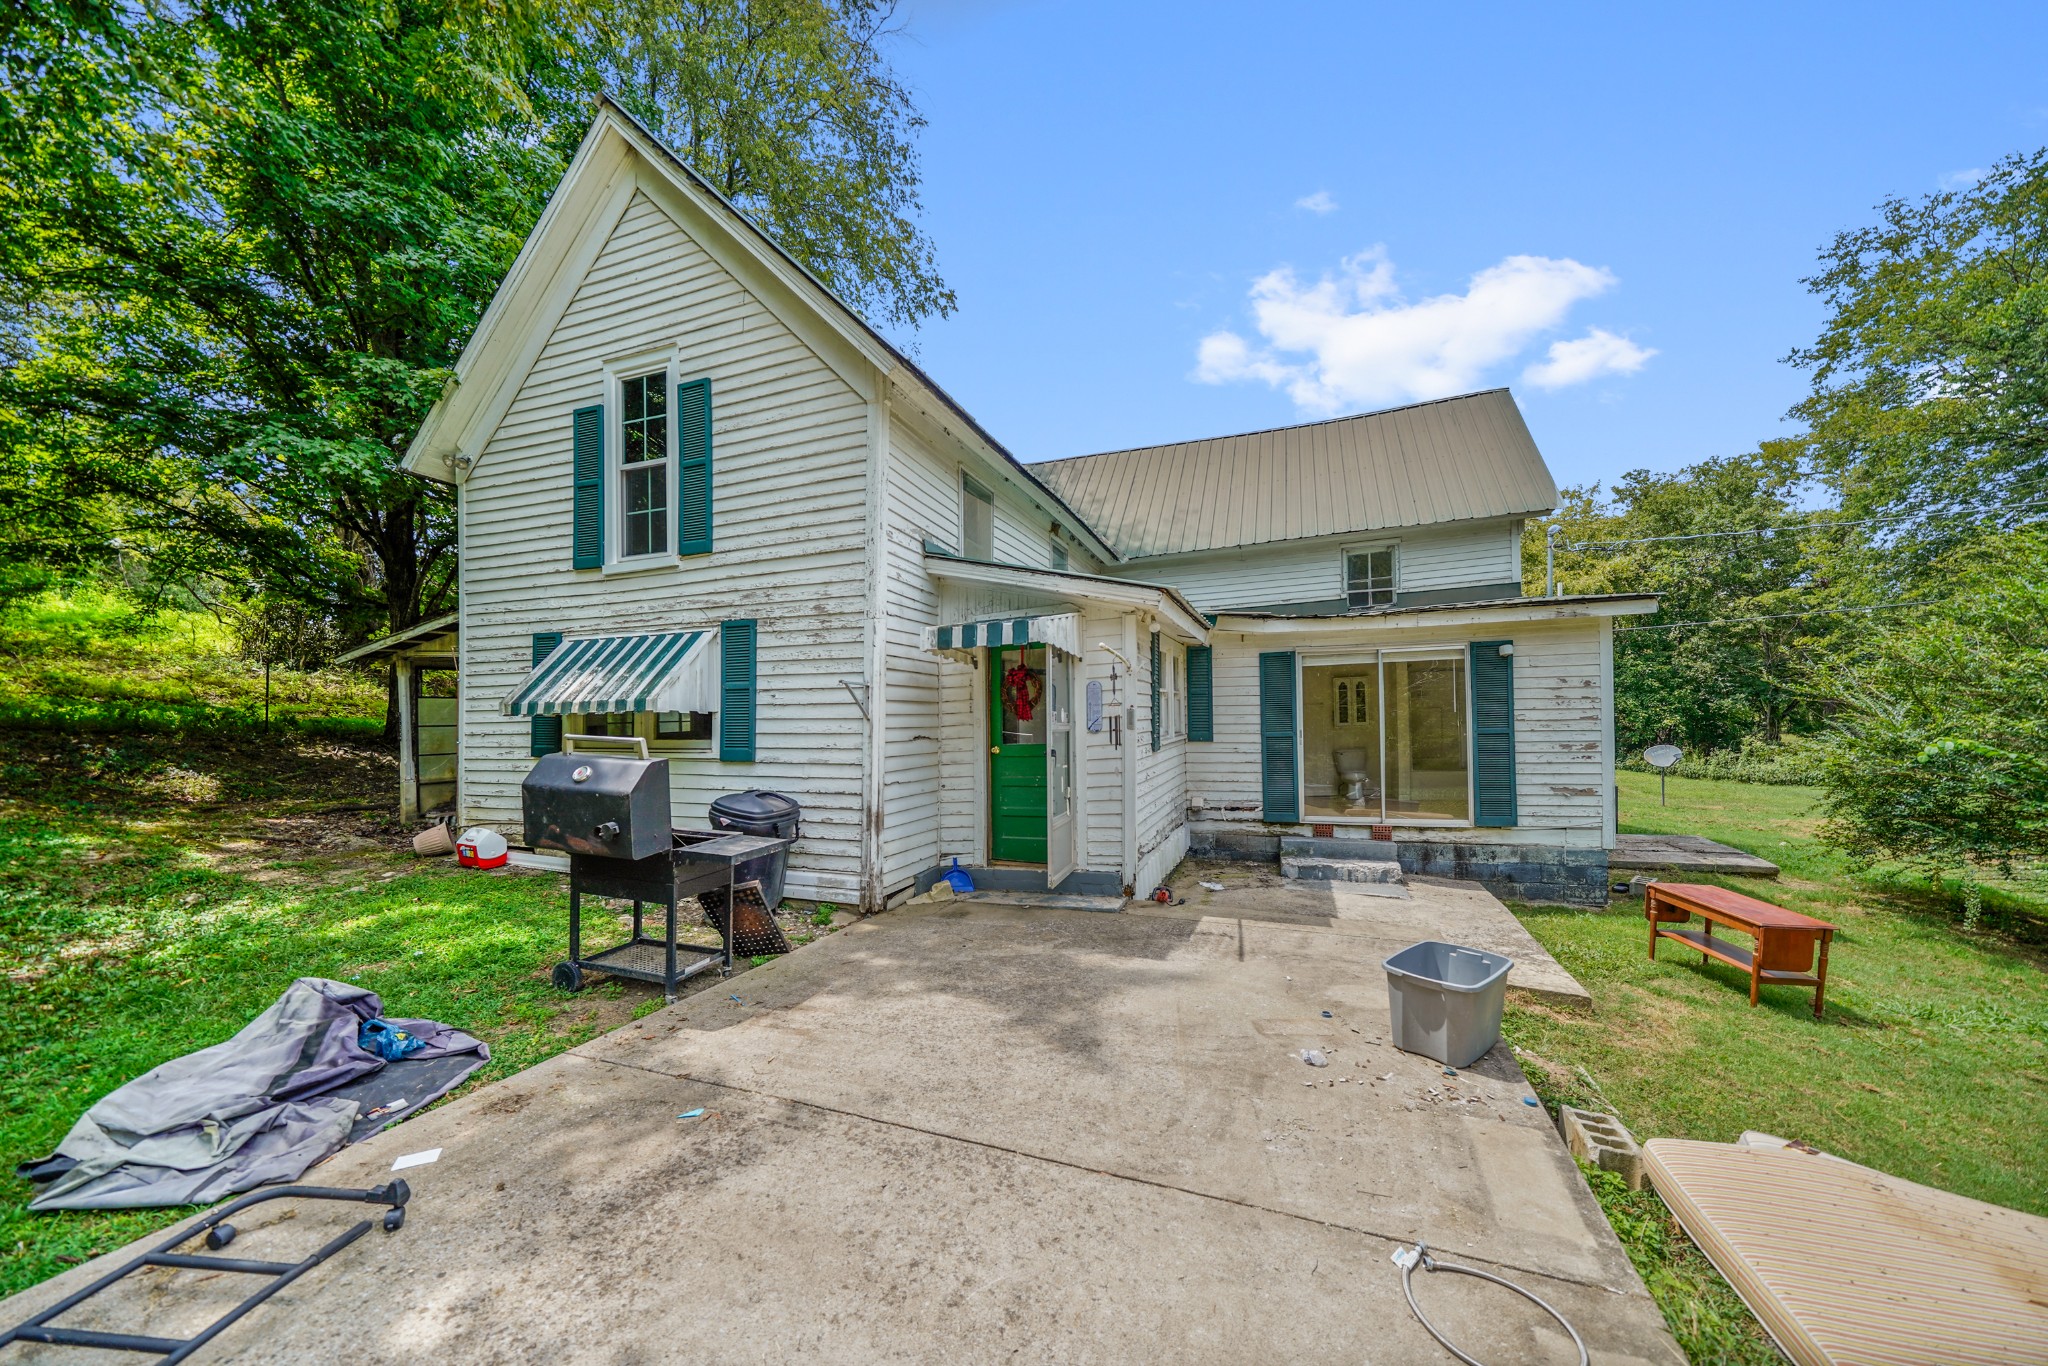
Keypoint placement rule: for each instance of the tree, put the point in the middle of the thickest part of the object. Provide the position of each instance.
(248, 239)
(788, 108)
(1930, 377)
(1706, 686)
(1939, 756)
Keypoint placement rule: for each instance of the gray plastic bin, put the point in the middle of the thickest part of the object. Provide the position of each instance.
(1446, 1000)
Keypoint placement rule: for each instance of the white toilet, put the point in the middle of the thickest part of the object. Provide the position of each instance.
(1354, 776)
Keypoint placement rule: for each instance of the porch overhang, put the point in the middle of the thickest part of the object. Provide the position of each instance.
(654, 671)
(1177, 617)
(1500, 611)
(421, 639)
(1061, 631)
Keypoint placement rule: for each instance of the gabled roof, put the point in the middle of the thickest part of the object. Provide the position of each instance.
(1451, 460)
(551, 264)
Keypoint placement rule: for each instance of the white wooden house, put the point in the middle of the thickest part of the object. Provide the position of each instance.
(702, 502)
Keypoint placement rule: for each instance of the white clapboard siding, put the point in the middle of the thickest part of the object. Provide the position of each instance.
(1431, 559)
(937, 755)
(789, 449)
(1162, 773)
(1560, 734)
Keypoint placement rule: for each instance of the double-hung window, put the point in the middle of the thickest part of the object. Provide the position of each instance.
(977, 520)
(643, 473)
(1369, 572)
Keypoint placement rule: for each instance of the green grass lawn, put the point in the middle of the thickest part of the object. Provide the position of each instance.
(158, 891)
(1931, 1062)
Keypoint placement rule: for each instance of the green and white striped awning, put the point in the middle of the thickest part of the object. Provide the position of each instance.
(665, 671)
(1062, 632)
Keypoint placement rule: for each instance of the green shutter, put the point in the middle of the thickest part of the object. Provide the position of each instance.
(587, 520)
(545, 731)
(1279, 787)
(1155, 692)
(1201, 694)
(1493, 733)
(736, 641)
(693, 486)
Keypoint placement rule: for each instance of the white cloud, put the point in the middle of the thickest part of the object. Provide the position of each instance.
(1319, 202)
(1961, 180)
(1351, 339)
(1597, 353)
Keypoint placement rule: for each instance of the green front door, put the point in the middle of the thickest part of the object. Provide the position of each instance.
(1016, 748)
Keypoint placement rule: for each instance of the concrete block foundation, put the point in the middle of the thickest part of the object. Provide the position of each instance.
(1514, 872)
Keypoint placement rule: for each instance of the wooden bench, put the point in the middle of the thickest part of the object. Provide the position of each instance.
(1785, 940)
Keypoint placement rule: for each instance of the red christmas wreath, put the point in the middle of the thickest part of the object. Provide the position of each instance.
(1022, 687)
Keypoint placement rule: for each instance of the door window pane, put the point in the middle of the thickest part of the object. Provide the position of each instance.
(643, 464)
(1340, 741)
(1023, 696)
(1427, 739)
(1386, 738)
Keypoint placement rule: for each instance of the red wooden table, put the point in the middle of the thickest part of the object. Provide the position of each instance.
(1785, 940)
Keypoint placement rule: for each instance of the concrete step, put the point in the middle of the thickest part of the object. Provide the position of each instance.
(1382, 871)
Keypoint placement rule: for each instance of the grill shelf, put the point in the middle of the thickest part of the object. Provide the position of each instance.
(697, 864)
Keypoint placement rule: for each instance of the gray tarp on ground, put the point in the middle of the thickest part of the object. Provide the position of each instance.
(239, 1114)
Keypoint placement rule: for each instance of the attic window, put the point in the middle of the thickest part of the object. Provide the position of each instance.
(1369, 576)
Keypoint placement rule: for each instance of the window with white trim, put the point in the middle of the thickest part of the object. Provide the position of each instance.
(1173, 692)
(645, 453)
(977, 520)
(1369, 575)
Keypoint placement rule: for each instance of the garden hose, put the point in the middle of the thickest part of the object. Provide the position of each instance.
(1407, 1258)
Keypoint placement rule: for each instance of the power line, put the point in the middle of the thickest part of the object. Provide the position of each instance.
(1789, 527)
(1777, 616)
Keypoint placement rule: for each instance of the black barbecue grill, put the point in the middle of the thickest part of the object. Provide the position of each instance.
(611, 816)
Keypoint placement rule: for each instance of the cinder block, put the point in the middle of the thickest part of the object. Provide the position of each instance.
(1603, 1142)
(1341, 870)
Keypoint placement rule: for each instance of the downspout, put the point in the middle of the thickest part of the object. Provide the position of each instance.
(1130, 729)
(876, 640)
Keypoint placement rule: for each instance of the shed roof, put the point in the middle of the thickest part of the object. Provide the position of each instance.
(1453, 459)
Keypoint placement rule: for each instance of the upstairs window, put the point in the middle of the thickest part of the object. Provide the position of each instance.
(1369, 576)
(1058, 558)
(977, 521)
(643, 465)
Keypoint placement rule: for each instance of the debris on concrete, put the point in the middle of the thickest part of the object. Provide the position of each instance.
(1210, 886)
(1314, 1057)
(416, 1159)
(697, 1113)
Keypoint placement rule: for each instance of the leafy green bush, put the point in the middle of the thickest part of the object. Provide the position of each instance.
(1938, 757)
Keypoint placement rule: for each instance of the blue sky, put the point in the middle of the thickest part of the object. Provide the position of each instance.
(1178, 220)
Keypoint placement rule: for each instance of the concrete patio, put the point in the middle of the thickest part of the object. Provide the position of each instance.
(973, 1133)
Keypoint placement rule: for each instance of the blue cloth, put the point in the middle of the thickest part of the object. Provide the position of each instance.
(388, 1041)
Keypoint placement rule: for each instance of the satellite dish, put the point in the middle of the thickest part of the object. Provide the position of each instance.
(1662, 756)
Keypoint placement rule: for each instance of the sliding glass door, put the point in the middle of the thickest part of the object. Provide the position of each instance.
(1386, 736)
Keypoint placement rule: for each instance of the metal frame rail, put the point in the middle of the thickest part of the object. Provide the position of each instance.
(218, 1235)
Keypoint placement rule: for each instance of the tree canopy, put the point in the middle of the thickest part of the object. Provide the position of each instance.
(248, 240)
(1930, 376)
